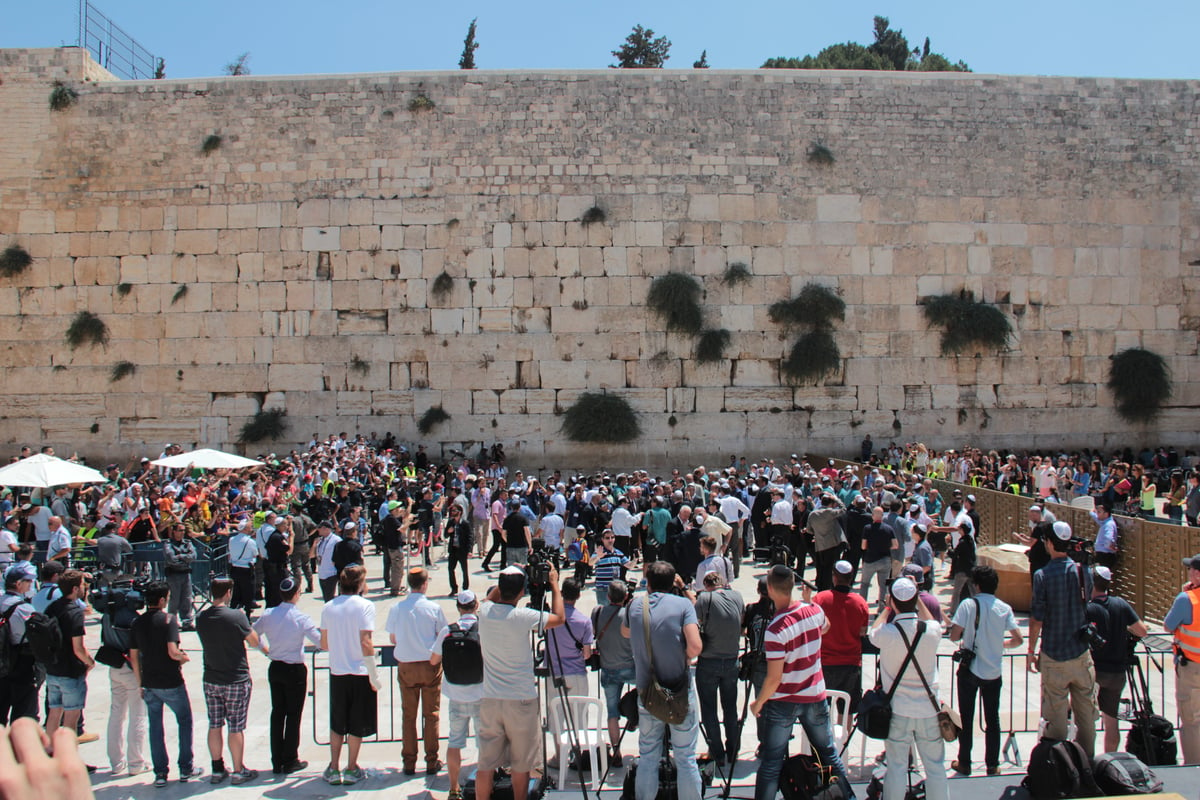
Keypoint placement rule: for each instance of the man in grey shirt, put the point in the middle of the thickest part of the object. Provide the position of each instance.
(616, 657)
(825, 524)
(719, 613)
(675, 637)
(111, 549)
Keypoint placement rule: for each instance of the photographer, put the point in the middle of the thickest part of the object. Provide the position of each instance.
(616, 658)
(1059, 619)
(178, 555)
(509, 718)
(1115, 621)
(675, 637)
(981, 624)
(119, 609)
(569, 646)
(719, 612)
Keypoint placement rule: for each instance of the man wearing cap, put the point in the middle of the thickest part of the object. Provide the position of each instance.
(19, 689)
(841, 645)
(1057, 617)
(462, 699)
(349, 550)
(394, 529)
(327, 571)
(283, 628)
(1116, 621)
(982, 625)
(243, 553)
(178, 555)
(1183, 622)
(794, 688)
(413, 625)
(914, 716)
(509, 718)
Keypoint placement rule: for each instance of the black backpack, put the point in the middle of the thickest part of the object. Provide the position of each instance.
(44, 635)
(9, 650)
(1059, 769)
(1122, 773)
(462, 656)
(1152, 741)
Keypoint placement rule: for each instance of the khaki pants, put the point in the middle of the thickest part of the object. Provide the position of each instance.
(1069, 684)
(420, 683)
(1187, 701)
(396, 571)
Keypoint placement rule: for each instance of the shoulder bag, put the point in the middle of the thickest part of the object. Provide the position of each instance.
(874, 716)
(669, 705)
(949, 721)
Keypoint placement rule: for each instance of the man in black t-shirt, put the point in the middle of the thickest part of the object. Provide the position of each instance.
(393, 544)
(66, 677)
(157, 661)
(275, 567)
(1116, 621)
(879, 540)
(224, 633)
(349, 550)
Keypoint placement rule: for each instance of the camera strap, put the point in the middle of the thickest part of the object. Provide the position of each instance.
(975, 631)
(616, 613)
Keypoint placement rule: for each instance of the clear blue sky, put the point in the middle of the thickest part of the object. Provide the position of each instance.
(1048, 37)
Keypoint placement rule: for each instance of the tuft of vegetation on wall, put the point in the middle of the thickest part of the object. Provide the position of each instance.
(87, 328)
(122, 369)
(594, 214)
(1140, 381)
(357, 364)
(711, 345)
(180, 293)
(676, 298)
(820, 154)
(14, 260)
(813, 356)
(967, 322)
(421, 103)
(442, 285)
(597, 417)
(267, 425)
(212, 143)
(815, 306)
(62, 97)
(124, 289)
(736, 273)
(432, 417)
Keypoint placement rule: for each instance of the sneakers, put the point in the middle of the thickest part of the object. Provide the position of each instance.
(332, 776)
(160, 781)
(218, 776)
(245, 776)
(455, 794)
(194, 772)
(352, 776)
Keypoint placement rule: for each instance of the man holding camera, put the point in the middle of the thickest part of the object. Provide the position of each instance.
(569, 646)
(509, 719)
(1059, 619)
(1115, 621)
(616, 658)
(719, 612)
(981, 623)
(674, 635)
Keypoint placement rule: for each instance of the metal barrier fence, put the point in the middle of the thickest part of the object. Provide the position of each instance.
(113, 48)
(1150, 571)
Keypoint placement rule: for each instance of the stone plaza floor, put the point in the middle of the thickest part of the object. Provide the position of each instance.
(382, 759)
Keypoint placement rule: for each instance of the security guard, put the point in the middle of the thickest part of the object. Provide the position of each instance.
(1183, 620)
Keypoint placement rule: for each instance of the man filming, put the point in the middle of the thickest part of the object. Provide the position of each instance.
(508, 712)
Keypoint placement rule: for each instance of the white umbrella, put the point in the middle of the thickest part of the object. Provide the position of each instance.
(45, 471)
(206, 458)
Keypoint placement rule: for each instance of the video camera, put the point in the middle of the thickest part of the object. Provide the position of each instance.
(777, 552)
(541, 561)
(1081, 551)
(127, 595)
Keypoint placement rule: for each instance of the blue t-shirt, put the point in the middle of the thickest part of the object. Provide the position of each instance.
(995, 621)
(669, 614)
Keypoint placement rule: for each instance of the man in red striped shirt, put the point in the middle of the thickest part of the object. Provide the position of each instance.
(794, 688)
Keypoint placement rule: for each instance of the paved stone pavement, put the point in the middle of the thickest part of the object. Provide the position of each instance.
(382, 759)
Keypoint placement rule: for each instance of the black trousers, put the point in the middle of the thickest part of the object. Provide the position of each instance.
(497, 545)
(19, 691)
(289, 685)
(328, 588)
(989, 695)
(273, 575)
(243, 587)
(457, 557)
(825, 560)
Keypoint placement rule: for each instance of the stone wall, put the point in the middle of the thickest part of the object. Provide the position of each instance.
(259, 274)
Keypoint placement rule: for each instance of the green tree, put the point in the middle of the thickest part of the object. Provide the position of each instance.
(850, 55)
(889, 51)
(469, 47)
(890, 44)
(160, 69)
(703, 62)
(642, 51)
(239, 66)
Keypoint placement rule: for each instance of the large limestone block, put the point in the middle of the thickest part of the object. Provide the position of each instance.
(302, 377)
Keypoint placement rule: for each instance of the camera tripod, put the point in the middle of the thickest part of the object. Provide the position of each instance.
(560, 691)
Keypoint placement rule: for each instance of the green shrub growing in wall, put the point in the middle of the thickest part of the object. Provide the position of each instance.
(14, 260)
(267, 425)
(597, 417)
(432, 417)
(711, 345)
(676, 298)
(212, 143)
(967, 322)
(122, 369)
(815, 306)
(62, 96)
(443, 284)
(87, 328)
(736, 273)
(813, 356)
(1140, 381)
(820, 154)
(593, 215)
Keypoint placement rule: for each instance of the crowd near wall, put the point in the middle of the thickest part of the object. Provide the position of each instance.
(267, 242)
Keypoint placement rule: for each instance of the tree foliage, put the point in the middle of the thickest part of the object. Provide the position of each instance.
(467, 61)
(239, 66)
(676, 298)
(889, 51)
(967, 322)
(642, 51)
(703, 62)
(1140, 381)
(597, 417)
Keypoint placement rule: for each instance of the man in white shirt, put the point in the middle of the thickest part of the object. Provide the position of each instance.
(59, 545)
(551, 530)
(347, 627)
(413, 625)
(8, 541)
(327, 572)
(713, 562)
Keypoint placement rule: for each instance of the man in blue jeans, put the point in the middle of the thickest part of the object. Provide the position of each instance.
(675, 639)
(158, 664)
(794, 688)
(616, 658)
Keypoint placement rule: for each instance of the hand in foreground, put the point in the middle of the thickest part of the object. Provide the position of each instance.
(29, 772)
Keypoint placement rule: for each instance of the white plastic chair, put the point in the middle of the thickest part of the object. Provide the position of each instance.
(841, 721)
(589, 716)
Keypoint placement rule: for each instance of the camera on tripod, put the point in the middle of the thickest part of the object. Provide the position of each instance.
(541, 561)
(1080, 551)
(777, 552)
(127, 595)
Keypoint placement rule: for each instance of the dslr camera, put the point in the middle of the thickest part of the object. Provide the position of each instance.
(964, 657)
(119, 596)
(1090, 635)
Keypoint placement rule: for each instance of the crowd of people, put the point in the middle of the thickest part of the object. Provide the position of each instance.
(660, 555)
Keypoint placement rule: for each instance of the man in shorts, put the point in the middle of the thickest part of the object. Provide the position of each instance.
(462, 693)
(508, 711)
(347, 628)
(66, 677)
(224, 633)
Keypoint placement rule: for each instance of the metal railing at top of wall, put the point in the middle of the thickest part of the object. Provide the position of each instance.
(112, 47)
